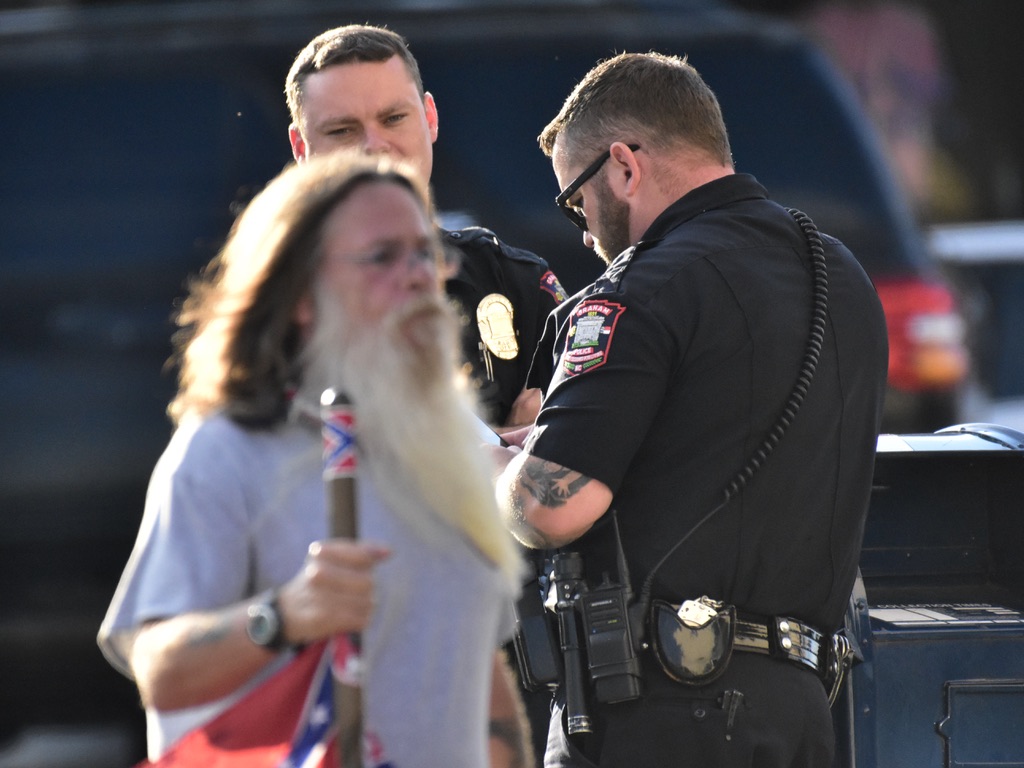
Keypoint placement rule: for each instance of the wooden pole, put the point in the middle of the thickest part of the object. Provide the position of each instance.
(340, 462)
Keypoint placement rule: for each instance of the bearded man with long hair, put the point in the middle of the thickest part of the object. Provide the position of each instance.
(331, 278)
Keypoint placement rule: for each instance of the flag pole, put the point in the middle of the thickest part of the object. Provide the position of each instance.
(340, 462)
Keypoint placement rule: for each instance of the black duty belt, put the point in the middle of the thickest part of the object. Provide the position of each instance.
(784, 638)
(715, 623)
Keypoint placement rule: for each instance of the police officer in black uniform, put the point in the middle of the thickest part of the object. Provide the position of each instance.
(359, 87)
(505, 295)
(718, 393)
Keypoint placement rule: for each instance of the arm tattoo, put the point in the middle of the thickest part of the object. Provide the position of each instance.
(507, 731)
(207, 634)
(550, 484)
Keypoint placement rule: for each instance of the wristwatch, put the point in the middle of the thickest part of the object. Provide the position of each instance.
(264, 625)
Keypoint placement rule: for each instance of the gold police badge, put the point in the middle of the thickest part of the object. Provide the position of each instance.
(494, 319)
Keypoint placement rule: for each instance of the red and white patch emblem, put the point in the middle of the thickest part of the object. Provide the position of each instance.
(589, 341)
(549, 283)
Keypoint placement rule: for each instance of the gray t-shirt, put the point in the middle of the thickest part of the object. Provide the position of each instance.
(231, 512)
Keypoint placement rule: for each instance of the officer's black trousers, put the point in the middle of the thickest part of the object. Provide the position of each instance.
(761, 713)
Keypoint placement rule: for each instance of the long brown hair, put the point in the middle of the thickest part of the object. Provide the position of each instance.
(238, 346)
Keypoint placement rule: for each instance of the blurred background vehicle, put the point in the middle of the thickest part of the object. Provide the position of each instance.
(135, 131)
(986, 262)
(937, 78)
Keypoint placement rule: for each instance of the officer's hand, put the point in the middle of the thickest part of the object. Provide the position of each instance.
(516, 437)
(524, 409)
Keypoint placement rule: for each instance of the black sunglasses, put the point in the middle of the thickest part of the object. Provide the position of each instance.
(575, 215)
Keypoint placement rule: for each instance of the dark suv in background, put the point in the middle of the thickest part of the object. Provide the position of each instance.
(133, 133)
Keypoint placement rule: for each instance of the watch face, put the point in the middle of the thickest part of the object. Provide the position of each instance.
(263, 625)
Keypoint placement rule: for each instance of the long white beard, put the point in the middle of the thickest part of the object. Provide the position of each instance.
(415, 420)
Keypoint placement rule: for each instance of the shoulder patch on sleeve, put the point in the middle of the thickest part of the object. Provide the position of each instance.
(589, 340)
(549, 282)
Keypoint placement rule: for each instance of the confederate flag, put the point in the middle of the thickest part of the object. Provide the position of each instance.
(287, 722)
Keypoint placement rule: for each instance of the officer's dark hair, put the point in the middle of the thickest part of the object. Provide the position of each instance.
(343, 45)
(652, 99)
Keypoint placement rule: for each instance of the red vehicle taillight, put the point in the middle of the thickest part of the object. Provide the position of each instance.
(926, 335)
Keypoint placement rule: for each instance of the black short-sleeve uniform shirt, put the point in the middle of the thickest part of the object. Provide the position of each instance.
(504, 295)
(668, 372)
